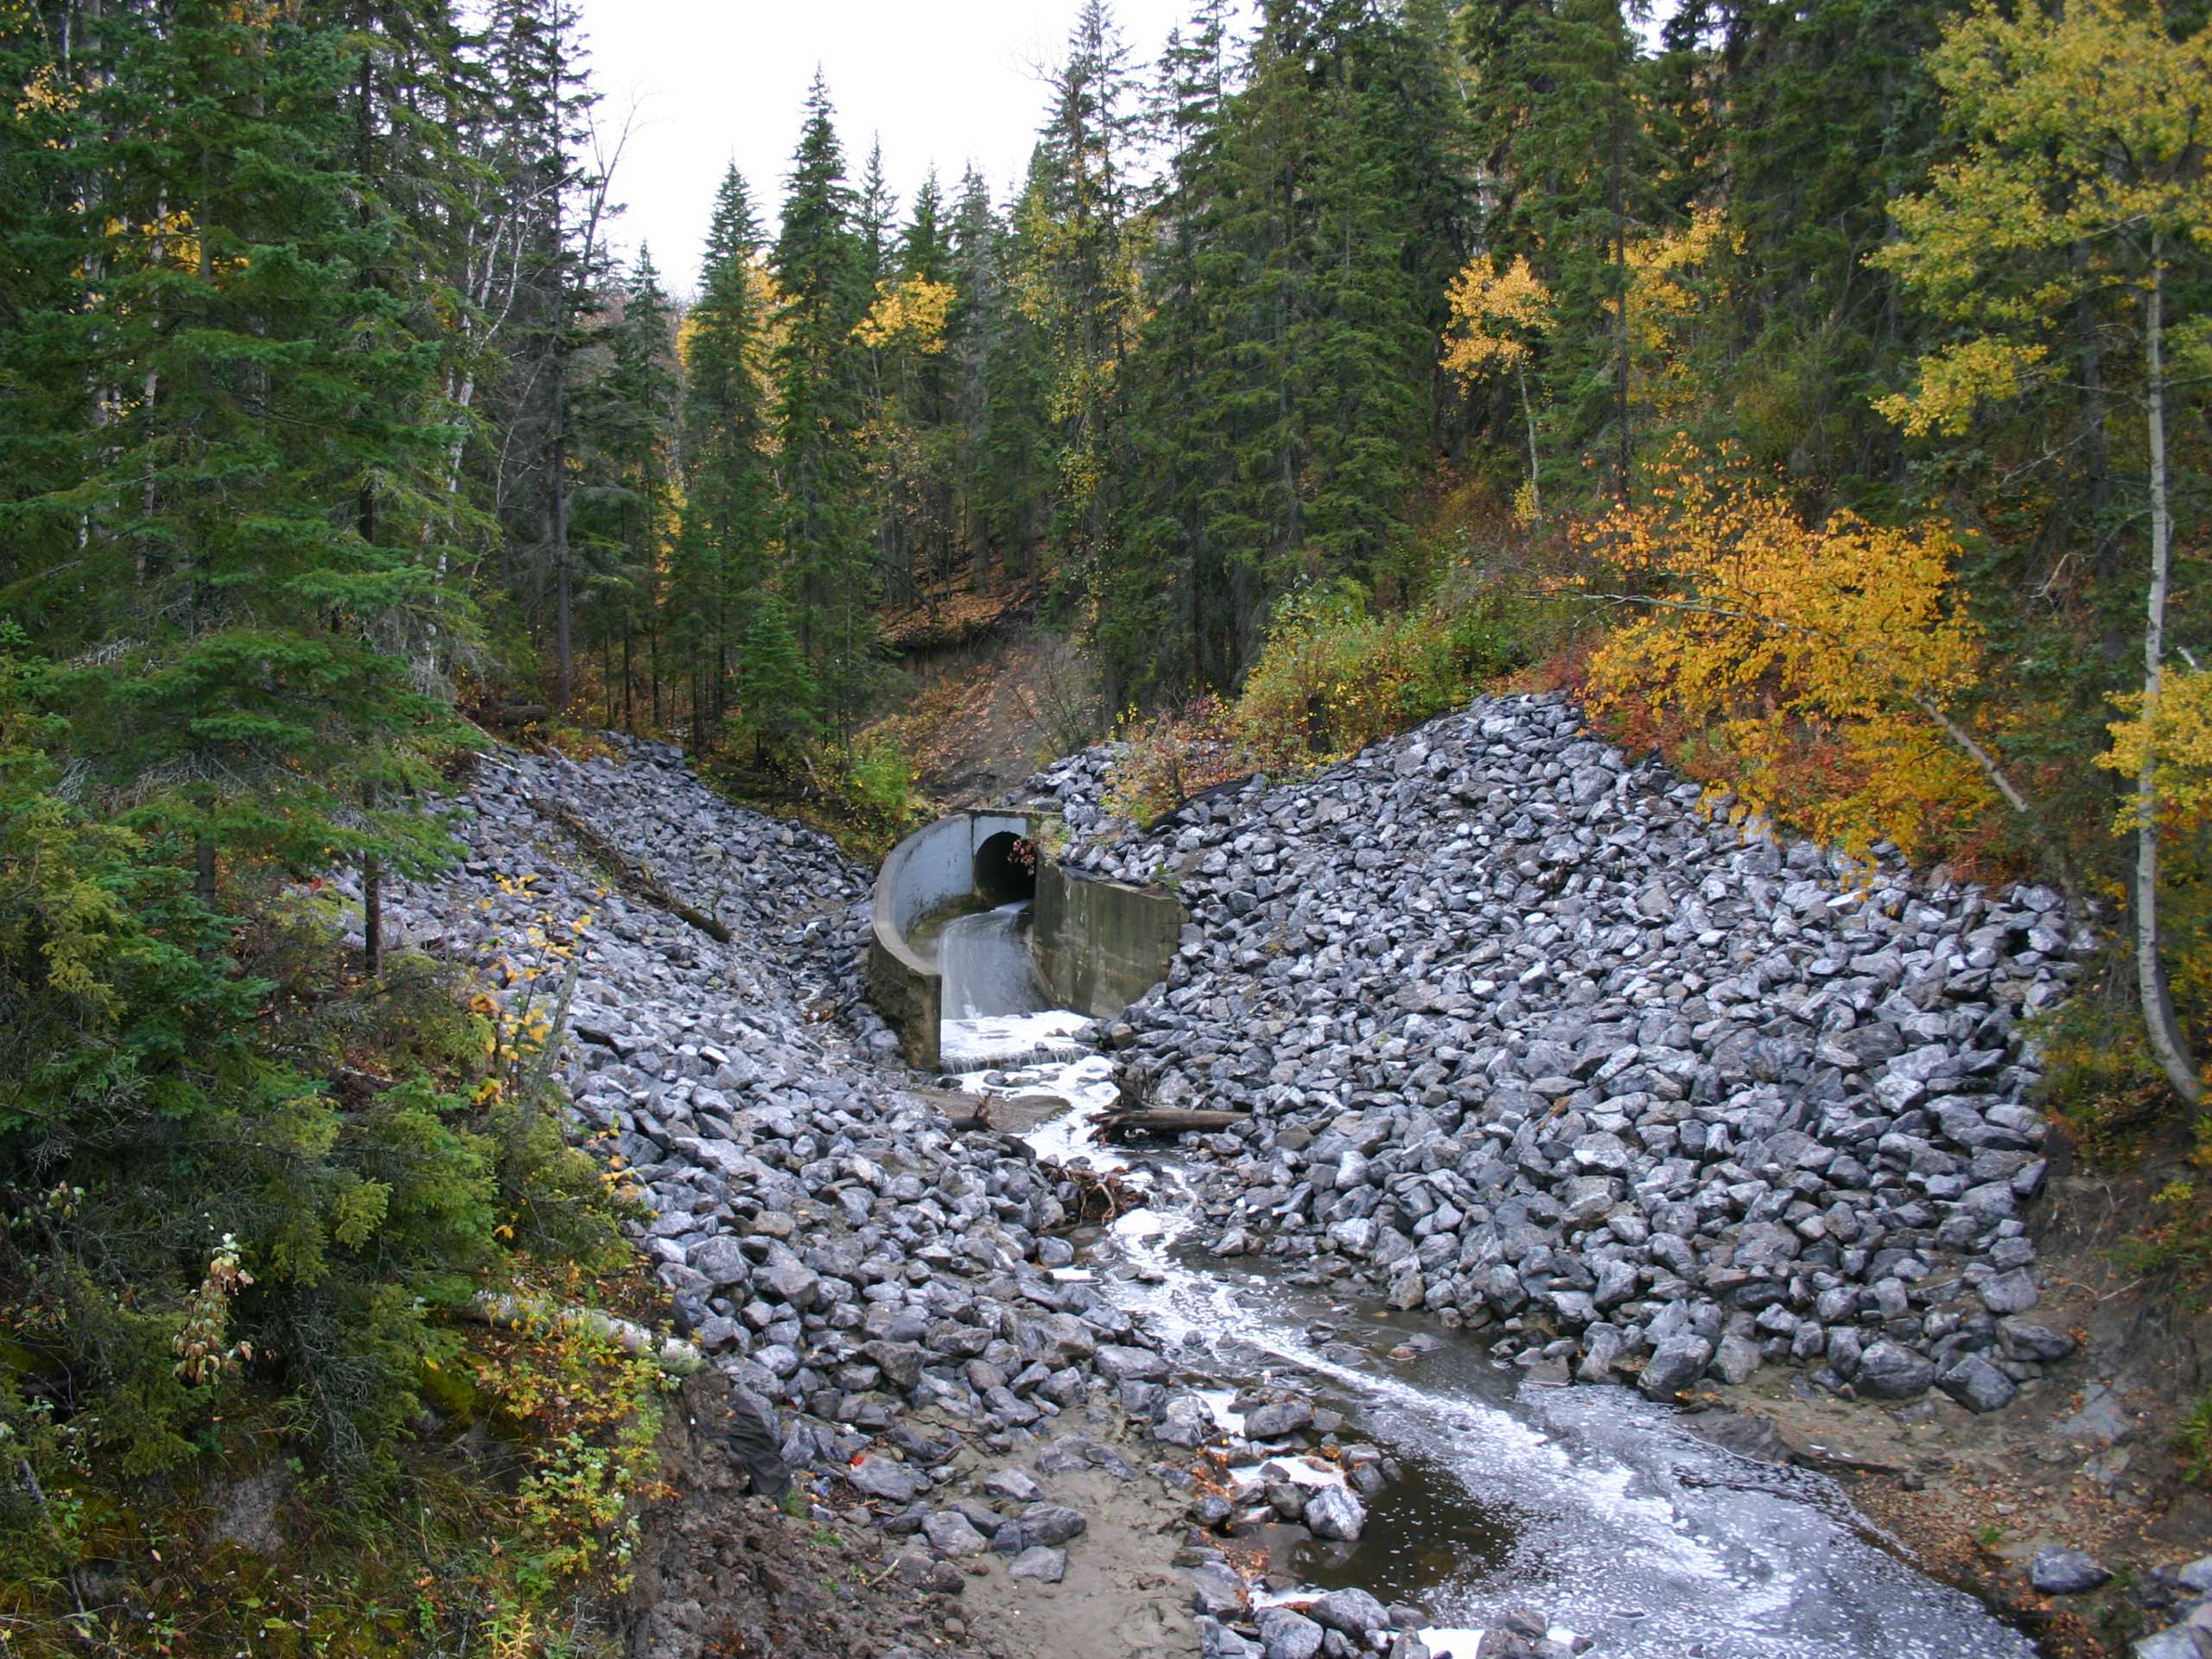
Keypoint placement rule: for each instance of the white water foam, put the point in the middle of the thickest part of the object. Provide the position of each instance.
(1448, 1642)
(1610, 1523)
(997, 1039)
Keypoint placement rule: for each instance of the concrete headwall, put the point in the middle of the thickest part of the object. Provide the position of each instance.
(926, 871)
(1100, 945)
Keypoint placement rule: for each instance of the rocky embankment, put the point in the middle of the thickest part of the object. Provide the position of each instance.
(877, 1292)
(1526, 1039)
(1531, 1040)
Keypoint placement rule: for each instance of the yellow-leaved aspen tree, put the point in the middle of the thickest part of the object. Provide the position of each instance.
(2082, 183)
(1498, 317)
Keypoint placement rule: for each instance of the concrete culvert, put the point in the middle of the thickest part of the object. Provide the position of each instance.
(1005, 868)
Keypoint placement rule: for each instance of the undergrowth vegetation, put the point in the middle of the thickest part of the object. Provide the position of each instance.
(863, 794)
(253, 1196)
(1342, 665)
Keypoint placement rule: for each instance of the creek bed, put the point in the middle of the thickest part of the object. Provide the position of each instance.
(1590, 1504)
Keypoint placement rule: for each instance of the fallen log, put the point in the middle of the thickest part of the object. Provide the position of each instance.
(636, 877)
(1168, 1120)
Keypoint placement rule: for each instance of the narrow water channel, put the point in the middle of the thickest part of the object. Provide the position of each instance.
(1589, 1504)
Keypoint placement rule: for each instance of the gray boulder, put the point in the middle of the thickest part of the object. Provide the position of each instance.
(2066, 1573)
(875, 1476)
(1351, 1612)
(1272, 1422)
(1978, 1385)
(1333, 1512)
(1676, 1362)
(1041, 1562)
(1889, 1370)
(1288, 1635)
(952, 1534)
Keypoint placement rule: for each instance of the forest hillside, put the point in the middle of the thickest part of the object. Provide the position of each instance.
(1818, 397)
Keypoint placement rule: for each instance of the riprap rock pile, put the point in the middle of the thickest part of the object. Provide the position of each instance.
(1529, 1038)
(830, 1245)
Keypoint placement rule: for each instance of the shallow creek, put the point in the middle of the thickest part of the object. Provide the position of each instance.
(1590, 1505)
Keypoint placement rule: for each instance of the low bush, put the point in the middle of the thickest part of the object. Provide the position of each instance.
(864, 796)
(2099, 1080)
(1170, 755)
(1334, 675)
(2194, 1443)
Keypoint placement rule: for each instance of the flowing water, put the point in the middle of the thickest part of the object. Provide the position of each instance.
(1589, 1505)
(984, 959)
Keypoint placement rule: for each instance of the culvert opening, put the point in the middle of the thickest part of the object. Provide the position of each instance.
(1005, 868)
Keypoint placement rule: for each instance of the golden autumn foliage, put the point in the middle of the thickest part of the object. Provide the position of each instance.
(768, 303)
(1670, 277)
(2077, 210)
(910, 312)
(2087, 150)
(1496, 316)
(1821, 661)
(2176, 737)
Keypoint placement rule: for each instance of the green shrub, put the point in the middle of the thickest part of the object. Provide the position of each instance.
(1334, 676)
(2194, 1443)
(2099, 1080)
(225, 1162)
(877, 802)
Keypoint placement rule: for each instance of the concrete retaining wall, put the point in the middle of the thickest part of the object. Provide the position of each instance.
(926, 871)
(1100, 945)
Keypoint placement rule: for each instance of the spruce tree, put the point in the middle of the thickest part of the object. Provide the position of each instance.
(1077, 280)
(1572, 176)
(993, 363)
(1163, 605)
(258, 511)
(723, 553)
(625, 420)
(1020, 460)
(821, 271)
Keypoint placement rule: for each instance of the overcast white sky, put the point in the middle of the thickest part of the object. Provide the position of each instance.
(715, 80)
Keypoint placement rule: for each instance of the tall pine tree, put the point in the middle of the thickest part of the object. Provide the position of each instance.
(821, 270)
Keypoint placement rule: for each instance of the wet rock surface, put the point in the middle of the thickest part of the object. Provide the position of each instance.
(1532, 1039)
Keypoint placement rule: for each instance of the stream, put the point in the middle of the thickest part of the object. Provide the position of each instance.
(1589, 1505)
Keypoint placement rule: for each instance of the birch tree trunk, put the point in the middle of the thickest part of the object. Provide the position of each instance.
(1529, 415)
(2167, 1040)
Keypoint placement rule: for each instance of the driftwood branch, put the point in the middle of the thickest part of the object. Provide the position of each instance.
(1168, 1120)
(636, 877)
(1098, 1197)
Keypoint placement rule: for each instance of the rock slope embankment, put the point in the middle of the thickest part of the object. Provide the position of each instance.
(876, 1288)
(1531, 1040)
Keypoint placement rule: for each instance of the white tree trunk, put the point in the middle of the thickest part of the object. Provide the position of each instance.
(2167, 1040)
(1529, 415)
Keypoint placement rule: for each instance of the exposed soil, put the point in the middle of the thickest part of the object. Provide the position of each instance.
(723, 1572)
(977, 717)
(2082, 1459)
(1121, 1596)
